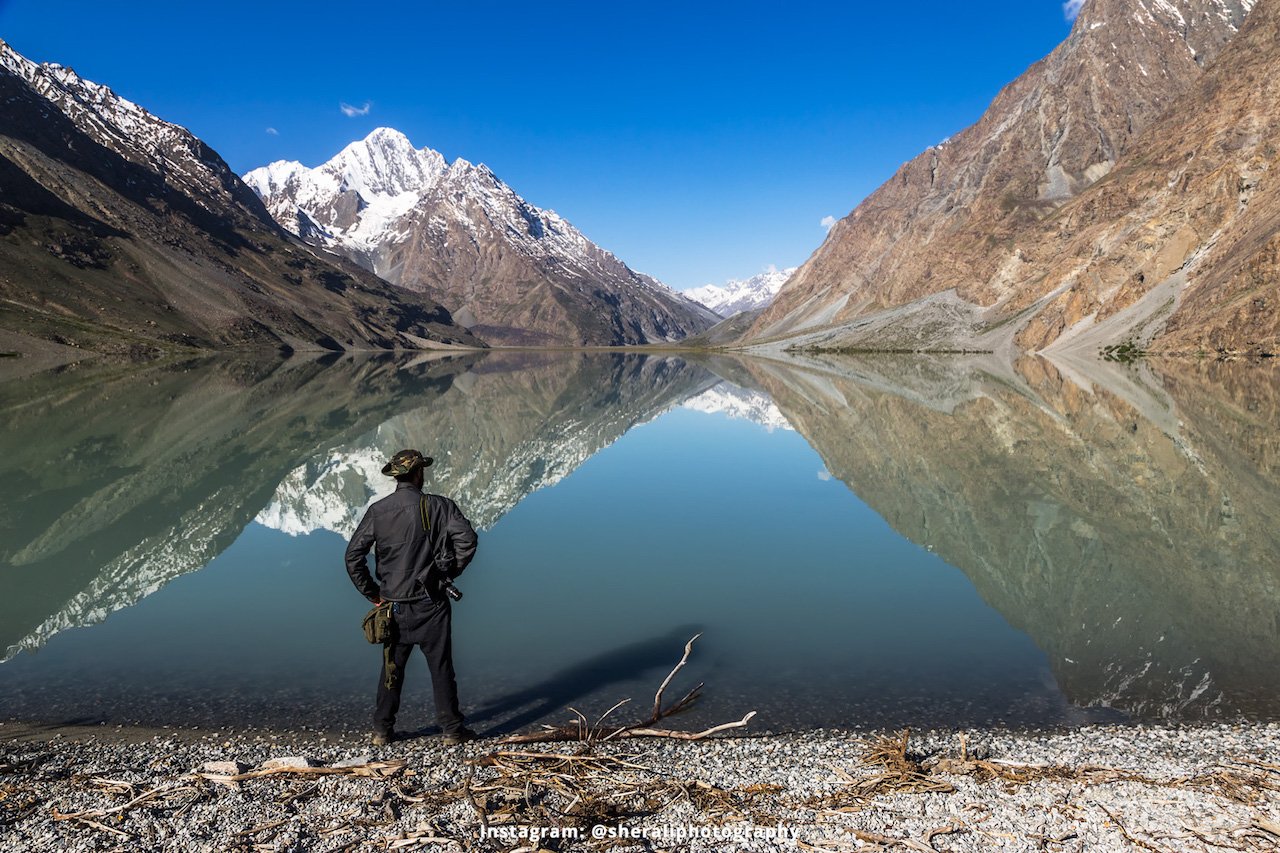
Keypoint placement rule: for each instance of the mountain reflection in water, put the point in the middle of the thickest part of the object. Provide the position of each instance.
(1121, 519)
(177, 460)
(1128, 528)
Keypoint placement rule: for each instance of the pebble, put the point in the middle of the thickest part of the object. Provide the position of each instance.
(41, 773)
(225, 768)
(294, 762)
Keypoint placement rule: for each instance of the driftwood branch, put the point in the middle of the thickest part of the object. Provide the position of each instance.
(648, 732)
(374, 769)
(662, 688)
(579, 730)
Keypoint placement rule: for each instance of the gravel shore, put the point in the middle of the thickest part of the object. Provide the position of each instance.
(1090, 789)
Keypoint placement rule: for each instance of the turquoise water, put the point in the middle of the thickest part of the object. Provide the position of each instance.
(859, 544)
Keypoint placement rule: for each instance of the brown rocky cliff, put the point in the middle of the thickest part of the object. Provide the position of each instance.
(957, 216)
(1188, 224)
(1232, 302)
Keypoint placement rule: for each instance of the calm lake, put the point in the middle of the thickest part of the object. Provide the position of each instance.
(879, 541)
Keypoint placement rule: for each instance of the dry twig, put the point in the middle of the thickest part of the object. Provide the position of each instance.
(581, 730)
(1132, 839)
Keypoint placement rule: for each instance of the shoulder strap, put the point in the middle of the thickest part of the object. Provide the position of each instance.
(420, 579)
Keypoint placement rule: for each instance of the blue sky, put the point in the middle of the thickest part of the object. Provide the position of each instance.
(697, 141)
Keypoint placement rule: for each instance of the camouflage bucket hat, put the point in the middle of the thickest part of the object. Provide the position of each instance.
(404, 462)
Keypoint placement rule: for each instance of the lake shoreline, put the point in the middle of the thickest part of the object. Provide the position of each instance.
(1095, 788)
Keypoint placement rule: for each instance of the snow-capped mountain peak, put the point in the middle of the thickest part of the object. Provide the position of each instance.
(273, 177)
(357, 196)
(424, 223)
(385, 163)
(383, 171)
(741, 294)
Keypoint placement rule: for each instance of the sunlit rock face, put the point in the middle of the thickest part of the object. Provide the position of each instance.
(1125, 522)
(1114, 192)
(179, 459)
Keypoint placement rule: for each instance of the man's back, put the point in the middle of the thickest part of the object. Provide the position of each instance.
(411, 533)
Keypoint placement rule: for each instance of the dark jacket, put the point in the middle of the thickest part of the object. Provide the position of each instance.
(407, 547)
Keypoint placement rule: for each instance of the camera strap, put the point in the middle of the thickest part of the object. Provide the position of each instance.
(420, 579)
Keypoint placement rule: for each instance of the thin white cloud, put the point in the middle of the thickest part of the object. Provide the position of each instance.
(271, 131)
(351, 112)
(827, 222)
(1071, 8)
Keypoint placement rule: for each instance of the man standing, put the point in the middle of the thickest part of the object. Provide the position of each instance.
(421, 542)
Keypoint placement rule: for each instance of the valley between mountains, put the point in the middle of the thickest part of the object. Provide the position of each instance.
(1120, 195)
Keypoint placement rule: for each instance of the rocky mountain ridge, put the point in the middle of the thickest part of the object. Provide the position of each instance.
(513, 272)
(131, 131)
(1179, 250)
(119, 230)
(964, 247)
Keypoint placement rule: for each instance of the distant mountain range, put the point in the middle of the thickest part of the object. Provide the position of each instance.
(741, 294)
(1117, 194)
(1113, 194)
(514, 273)
(120, 231)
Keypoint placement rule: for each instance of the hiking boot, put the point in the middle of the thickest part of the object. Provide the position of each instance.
(381, 738)
(461, 736)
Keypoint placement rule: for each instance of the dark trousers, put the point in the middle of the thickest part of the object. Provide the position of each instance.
(427, 625)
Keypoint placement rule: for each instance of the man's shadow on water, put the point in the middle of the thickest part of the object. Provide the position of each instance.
(565, 687)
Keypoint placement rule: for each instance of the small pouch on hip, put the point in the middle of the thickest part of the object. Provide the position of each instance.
(378, 625)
